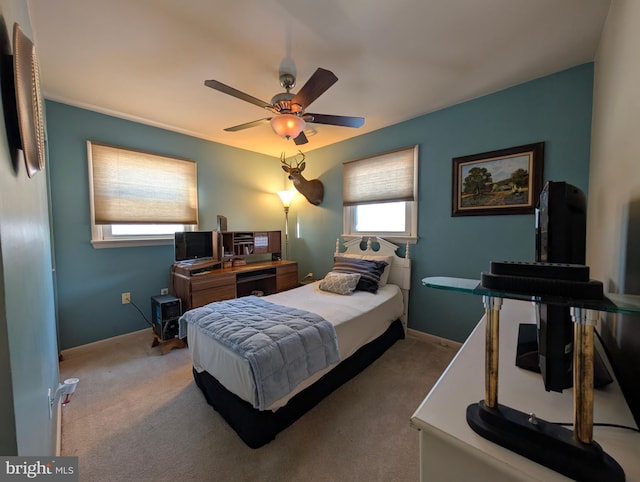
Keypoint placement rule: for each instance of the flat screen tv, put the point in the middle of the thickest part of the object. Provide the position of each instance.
(195, 246)
(561, 232)
(561, 224)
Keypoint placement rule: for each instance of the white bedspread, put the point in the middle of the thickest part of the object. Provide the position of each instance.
(358, 319)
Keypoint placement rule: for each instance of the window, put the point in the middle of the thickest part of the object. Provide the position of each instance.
(138, 198)
(380, 195)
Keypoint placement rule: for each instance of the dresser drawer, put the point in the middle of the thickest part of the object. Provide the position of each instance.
(287, 269)
(287, 277)
(287, 282)
(209, 281)
(204, 297)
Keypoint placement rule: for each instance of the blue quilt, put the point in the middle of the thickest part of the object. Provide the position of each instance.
(283, 345)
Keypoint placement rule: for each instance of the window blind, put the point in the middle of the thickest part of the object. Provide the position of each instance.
(383, 178)
(138, 187)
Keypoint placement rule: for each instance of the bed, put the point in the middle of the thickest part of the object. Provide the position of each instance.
(359, 323)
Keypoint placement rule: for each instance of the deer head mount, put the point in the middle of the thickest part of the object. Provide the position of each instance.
(313, 190)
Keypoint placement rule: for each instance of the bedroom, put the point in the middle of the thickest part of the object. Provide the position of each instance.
(91, 279)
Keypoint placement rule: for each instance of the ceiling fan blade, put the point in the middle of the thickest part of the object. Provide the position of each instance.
(336, 120)
(319, 82)
(247, 125)
(301, 139)
(219, 86)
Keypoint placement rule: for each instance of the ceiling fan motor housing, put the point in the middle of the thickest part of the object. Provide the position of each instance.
(282, 103)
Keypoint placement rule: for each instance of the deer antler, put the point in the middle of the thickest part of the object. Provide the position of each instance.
(283, 160)
(301, 160)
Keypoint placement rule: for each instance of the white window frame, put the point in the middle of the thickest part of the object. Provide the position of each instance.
(101, 234)
(411, 221)
(101, 237)
(410, 235)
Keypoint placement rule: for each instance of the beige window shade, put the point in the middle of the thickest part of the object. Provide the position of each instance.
(384, 178)
(132, 187)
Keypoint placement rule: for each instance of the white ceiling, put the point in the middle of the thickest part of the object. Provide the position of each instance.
(146, 60)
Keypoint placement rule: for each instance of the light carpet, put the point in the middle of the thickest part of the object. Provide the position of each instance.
(138, 415)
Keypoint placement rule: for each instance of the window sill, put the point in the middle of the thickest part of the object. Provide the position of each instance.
(129, 243)
(393, 239)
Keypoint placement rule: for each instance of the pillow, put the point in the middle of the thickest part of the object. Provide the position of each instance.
(370, 271)
(385, 274)
(339, 283)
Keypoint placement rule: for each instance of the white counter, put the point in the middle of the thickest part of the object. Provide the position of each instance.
(451, 450)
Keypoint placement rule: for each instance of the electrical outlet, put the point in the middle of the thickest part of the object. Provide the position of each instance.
(164, 291)
(126, 298)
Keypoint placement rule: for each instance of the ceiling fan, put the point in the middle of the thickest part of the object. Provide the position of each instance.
(290, 118)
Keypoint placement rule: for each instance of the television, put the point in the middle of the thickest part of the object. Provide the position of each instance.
(561, 224)
(561, 231)
(195, 246)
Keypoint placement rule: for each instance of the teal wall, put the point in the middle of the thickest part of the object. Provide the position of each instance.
(28, 345)
(555, 109)
(236, 183)
(240, 184)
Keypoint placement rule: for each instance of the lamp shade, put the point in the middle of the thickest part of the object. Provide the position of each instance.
(287, 196)
(288, 126)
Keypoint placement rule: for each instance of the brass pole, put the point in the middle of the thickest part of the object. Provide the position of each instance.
(492, 307)
(583, 320)
(286, 232)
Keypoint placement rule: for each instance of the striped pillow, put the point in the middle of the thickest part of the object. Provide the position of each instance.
(387, 270)
(370, 271)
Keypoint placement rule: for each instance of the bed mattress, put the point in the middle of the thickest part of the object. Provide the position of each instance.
(358, 319)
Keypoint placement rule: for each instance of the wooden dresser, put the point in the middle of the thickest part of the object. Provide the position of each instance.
(199, 284)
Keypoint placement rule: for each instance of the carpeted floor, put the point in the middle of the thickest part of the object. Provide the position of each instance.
(138, 415)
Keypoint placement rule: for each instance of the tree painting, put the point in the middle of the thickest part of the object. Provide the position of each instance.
(520, 178)
(500, 182)
(476, 181)
(494, 183)
(506, 181)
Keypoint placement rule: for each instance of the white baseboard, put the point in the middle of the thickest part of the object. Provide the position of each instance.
(58, 417)
(99, 342)
(421, 335)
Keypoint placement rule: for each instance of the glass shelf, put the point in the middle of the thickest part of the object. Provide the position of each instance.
(572, 453)
(612, 303)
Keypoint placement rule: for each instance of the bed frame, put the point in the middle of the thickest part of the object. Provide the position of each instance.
(400, 273)
(258, 427)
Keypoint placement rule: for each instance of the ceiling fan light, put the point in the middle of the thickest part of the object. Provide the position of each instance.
(288, 126)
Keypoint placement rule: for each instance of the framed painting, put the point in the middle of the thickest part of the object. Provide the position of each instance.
(507, 181)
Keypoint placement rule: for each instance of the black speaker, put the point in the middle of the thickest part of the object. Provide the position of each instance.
(165, 312)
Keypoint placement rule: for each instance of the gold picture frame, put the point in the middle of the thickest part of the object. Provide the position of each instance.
(28, 101)
(506, 181)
